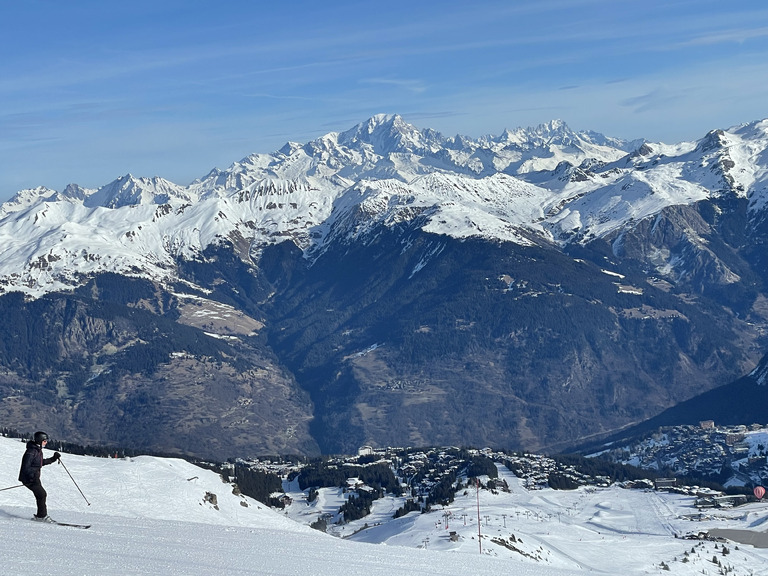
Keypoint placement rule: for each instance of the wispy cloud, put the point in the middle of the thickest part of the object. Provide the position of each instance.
(654, 100)
(436, 114)
(739, 36)
(415, 86)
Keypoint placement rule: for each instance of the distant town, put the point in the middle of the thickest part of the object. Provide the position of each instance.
(720, 466)
(729, 455)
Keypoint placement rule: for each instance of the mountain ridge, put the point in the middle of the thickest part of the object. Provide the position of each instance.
(293, 194)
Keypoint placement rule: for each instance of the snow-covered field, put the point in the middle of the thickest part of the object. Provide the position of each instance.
(151, 516)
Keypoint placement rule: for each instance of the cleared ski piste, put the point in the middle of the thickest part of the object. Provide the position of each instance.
(151, 516)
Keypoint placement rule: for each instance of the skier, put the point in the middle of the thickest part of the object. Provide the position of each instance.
(29, 475)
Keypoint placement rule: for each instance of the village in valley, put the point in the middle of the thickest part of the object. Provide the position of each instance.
(554, 510)
(713, 467)
(732, 456)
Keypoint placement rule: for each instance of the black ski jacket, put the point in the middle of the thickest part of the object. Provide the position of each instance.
(32, 462)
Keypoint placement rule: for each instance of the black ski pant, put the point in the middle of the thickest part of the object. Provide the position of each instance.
(40, 496)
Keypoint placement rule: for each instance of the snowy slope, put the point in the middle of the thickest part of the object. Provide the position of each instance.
(150, 516)
(547, 183)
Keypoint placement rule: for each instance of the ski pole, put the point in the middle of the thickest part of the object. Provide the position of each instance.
(11, 487)
(73, 480)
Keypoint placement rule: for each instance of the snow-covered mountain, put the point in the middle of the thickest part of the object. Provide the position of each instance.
(165, 516)
(543, 184)
(349, 290)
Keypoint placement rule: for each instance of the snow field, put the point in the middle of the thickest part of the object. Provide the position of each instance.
(151, 516)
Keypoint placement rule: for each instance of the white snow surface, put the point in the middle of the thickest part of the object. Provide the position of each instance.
(547, 183)
(150, 516)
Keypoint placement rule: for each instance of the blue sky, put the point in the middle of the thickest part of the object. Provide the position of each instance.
(90, 90)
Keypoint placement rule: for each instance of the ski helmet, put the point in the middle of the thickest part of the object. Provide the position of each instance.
(40, 437)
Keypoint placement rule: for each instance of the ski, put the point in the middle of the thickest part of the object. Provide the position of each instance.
(82, 526)
(67, 524)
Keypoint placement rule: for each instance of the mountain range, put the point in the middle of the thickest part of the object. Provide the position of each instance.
(389, 285)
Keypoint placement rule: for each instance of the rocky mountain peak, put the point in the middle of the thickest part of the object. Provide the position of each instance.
(387, 134)
(712, 141)
(130, 191)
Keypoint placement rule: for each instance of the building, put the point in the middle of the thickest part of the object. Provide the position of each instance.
(664, 483)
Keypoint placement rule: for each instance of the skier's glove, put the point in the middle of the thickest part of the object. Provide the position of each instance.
(56, 456)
